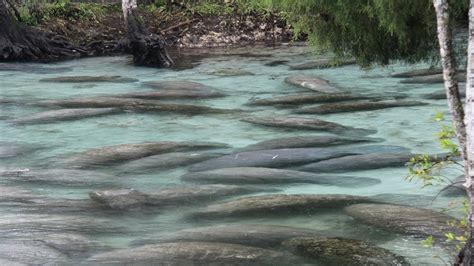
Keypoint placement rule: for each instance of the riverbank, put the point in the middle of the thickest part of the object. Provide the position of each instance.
(99, 28)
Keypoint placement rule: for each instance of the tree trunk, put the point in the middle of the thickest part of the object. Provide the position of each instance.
(147, 49)
(21, 43)
(467, 256)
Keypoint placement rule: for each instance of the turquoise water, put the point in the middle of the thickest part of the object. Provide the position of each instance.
(410, 127)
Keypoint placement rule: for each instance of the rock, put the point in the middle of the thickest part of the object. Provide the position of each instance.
(256, 235)
(432, 79)
(341, 251)
(135, 105)
(404, 219)
(294, 122)
(194, 253)
(30, 253)
(308, 98)
(126, 152)
(276, 63)
(69, 177)
(441, 95)
(359, 162)
(305, 142)
(133, 199)
(278, 204)
(322, 63)
(330, 108)
(166, 161)
(269, 176)
(64, 114)
(175, 94)
(231, 72)
(177, 85)
(13, 149)
(280, 158)
(418, 72)
(312, 83)
(89, 79)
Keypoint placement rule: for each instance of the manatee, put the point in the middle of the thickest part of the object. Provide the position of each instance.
(404, 219)
(294, 122)
(280, 158)
(194, 253)
(432, 79)
(256, 235)
(29, 252)
(308, 98)
(359, 162)
(174, 85)
(70, 177)
(89, 79)
(278, 204)
(312, 83)
(456, 189)
(441, 94)
(133, 199)
(305, 142)
(418, 72)
(269, 176)
(342, 251)
(230, 72)
(166, 161)
(322, 63)
(135, 105)
(175, 94)
(414, 200)
(15, 194)
(14, 149)
(330, 108)
(64, 114)
(276, 63)
(125, 152)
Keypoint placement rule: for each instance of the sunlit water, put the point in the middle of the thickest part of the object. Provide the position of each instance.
(411, 127)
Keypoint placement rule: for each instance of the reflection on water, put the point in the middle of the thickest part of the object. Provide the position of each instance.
(83, 182)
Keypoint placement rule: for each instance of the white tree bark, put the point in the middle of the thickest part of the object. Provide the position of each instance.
(468, 258)
(127, 7)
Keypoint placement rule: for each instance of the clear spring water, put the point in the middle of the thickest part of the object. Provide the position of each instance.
(411, 127)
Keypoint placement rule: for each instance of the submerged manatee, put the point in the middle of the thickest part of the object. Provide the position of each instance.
(27, 252)
(70, 177)
(130, 198)
(308, 98)
(322, 63)
(431, 79)
(418, 72)
(278, 204)
(359, 162)
(194, 253)
(330, 108)
(341, 251)
(64, 114)
(174, 85)
(89, 79)
(441, 94)
(305, 142)
(294, 122)
(257, 235)
(175, 94)
(404, 219)
(14, 149)
(125, 152)
(135, 105)
(312, 83)
(279, 158)
(166, 161)
(268, 176)
(230, 72)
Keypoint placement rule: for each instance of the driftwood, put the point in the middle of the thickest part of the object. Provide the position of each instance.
(148, 49)
(22, 43)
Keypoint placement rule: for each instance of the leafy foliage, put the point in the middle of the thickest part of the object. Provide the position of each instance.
(373, 31)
